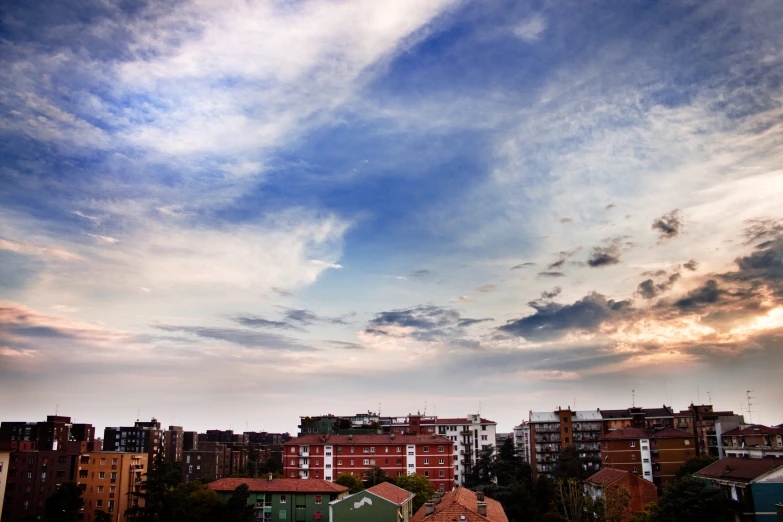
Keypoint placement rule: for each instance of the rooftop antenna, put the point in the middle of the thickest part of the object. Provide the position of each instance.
(574, 403)
(138, 415)
(425, 407)
(633, 398)
(698, 395)
(750, 411)
(479, 409)
(709, 396)
(56, 409)
(379, 409)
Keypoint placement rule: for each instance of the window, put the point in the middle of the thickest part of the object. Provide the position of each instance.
(101, 475)
(426, 473)
(426, 449)
(282, 499)
(318, 515)
(485, 437)
(633, 443)
(283, 514)
(372, 449)
(99, 503)
(111, 506)
(411, 465)
(635, 470)
(426, 461)
(365, 450)
(687, 442)
(483, 428)
(442, 473)
(100, 489)
(103, 462)
(646, 461)
(565, 430)
(565, 420)
(293, 449)
(351, 449)
(440, 449)
(366, 462)
(351, 462)
(633, 456)
(112, 490)
(567, 440)
(440, 461)
(399, 449)
(318, 499)
(399, 461)
(339, 462)
(328, 466)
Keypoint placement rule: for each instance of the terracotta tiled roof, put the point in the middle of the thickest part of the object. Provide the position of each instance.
(462, 502)
(754, 429)
(368, 439)
(739, 469)
(278, 485)
(638, 433)
(463, 420)
(391, 493)
(626, 433)
(606, 476)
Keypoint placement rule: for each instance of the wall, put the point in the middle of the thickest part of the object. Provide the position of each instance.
(363, 507)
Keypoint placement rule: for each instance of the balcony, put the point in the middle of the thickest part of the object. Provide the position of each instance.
(304, 453)
(304, 466)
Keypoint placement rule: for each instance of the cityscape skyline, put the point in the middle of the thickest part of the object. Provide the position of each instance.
(248, 211)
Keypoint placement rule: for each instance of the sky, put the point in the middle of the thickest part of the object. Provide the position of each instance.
(227, 215)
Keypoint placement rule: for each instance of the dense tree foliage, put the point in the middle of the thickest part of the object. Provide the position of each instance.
(691, 500)
(419, 486)
(65, 503)
(694, 464)
(350, 481)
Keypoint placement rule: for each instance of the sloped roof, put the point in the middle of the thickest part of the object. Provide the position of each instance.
(626, 433)
(671, 433)
(544, 416)
(588, 415)
(462, 420)
(639, 433)
(755, 429)
(606, 476)
(390, 492)
(368, 439)
(739, 469)
(462, 501)
(285, 485)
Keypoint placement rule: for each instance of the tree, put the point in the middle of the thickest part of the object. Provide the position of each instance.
(509, 467)
(694, 464)
(237, 508)
(485, 469)
(691, 500)
(153, 492)
(614, 505)
(194, 502)
(570, 465)
(350, 481)
(65, 503)
(418, 485)
(376, 476)
(571, 504)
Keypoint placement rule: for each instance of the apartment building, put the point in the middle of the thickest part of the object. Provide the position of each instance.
(173, 443)
(383, 502)
(5, 458)
(702, 421)
(653, 454)
(461, 504)
(212, 461)
(326, 456)
(142, 437)
(640, 492)
(34, 475)
(522, 441)
(107, 479)
(49, 435)
(754, 441)
(552, 432)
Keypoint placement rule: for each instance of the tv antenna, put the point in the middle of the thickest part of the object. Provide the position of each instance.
(633, 398)
(750, 411)
(709, 396)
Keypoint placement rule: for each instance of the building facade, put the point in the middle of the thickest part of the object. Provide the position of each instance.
(49, 435)
(173, 443)
(640, 491)
(383, 502)
(142, 437)
(461, 504)
(5, 458)
(212, 461)
(108, 478)
(522, 441)
(324, 457)
(289, 500)
(703, 421)
(552, 432)
(655, 455)
(754, 441)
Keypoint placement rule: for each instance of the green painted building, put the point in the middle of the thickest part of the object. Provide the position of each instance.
(284, 500)
(384, 502)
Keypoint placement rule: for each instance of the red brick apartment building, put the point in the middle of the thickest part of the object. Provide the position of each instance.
(326, 456)
(641, 491)
(655, 455)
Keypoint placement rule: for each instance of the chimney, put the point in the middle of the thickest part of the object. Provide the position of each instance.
(482, 508)
(350, 436)
(270, 478)
(429, 508)
(480, 496)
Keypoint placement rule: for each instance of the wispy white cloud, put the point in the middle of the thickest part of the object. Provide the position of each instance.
(104, 239)
(530, 29)
(27, 248)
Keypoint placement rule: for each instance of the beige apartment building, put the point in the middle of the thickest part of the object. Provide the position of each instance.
(107, 478)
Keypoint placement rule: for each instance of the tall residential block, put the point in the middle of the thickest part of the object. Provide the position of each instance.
(107, 479)
(142, 437)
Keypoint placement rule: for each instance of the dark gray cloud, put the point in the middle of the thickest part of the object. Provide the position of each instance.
(603, 256)
(669, 225)
(551, 274)
(762, 229)
(553, 320)
(649, 289)
(691, 265)
(522, 265)
(610, 206)
(551, 293)
(281, 291)
(305, 317)
(566, 220)
(426, 323)
(254, 321)
(247, 338)
(562, 257)
(485, 289)
(708, 293)
(420, 273)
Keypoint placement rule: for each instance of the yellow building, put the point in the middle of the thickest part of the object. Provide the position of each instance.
(107, 478)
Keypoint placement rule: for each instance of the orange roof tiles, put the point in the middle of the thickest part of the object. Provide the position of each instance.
(367, 439)
(606, 476)
(278, 485)
(391, 493)
(462, 502)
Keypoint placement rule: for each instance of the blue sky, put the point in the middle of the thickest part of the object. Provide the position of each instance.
(273, 209)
